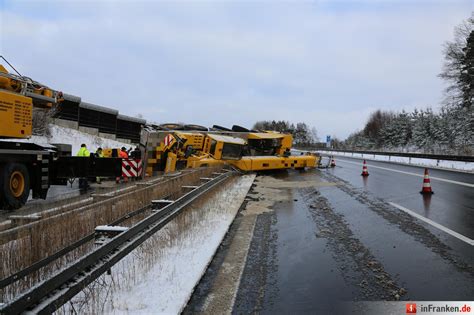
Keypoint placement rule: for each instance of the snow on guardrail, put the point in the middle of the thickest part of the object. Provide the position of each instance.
(432, 163)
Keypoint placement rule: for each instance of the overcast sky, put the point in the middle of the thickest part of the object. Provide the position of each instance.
(327, 63)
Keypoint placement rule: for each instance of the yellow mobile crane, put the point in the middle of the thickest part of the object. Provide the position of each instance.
(181, 150)
(268, 143)
(271, 151)
(26, 166)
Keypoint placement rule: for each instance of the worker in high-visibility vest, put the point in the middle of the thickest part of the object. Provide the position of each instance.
(83, 152)
(124, 155)
(98, 154)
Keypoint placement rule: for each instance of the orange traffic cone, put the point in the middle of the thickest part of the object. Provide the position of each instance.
(365, 172)
(426, 189)
(333, 162)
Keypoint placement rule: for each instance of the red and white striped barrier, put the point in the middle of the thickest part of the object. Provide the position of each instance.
(168, 139)
(132, 167)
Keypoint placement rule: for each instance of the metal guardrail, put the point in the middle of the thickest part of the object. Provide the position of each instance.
(461, 158)
(50, 294)
(40, 264)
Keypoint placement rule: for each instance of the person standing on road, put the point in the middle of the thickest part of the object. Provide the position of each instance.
(83, 152)
(124, 155)
(98, 154)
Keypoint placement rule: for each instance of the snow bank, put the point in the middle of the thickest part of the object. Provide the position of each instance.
(75, 138)
(451, 165)
(109, 228)
(159, 276)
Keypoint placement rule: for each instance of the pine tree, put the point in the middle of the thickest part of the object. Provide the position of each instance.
(405, 128)
(443, 127)
(419, 132)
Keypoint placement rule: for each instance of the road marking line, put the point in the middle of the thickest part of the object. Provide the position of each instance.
(436, 225)
(414, 174)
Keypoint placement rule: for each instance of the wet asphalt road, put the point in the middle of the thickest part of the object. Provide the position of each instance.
(452, 205)
(325, 245)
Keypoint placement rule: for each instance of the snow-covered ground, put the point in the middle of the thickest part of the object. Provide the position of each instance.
(451, 165)
(75, 138)
(160, 275)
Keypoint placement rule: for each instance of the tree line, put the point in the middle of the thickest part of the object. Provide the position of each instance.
(449, 130)
(302, 134)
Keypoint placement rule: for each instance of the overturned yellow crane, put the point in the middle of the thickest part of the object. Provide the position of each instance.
(245, 151)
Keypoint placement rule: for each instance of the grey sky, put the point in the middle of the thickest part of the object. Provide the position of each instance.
(327, 63)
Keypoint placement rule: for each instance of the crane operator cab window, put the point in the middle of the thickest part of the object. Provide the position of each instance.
(265, 147)
(225, 147)
(231, 151)
(213, 147)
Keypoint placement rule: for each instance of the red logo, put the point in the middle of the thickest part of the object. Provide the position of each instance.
(411, 308)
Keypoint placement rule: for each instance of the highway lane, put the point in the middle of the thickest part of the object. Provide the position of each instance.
(429, 263)
(333, 236)
(451, 205)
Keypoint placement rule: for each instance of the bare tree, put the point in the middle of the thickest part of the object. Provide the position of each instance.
(42, 117)
(458, 69)
(314, 135)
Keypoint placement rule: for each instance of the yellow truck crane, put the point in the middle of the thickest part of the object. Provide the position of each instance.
(268, 143)
(26, 166)
(272, 151)
(180, 150)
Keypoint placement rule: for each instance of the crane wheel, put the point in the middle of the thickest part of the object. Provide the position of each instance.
(14, 185)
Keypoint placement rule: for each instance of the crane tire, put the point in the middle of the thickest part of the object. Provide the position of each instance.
(14, 185)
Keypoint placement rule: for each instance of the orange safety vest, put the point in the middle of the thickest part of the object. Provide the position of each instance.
(123, 154)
